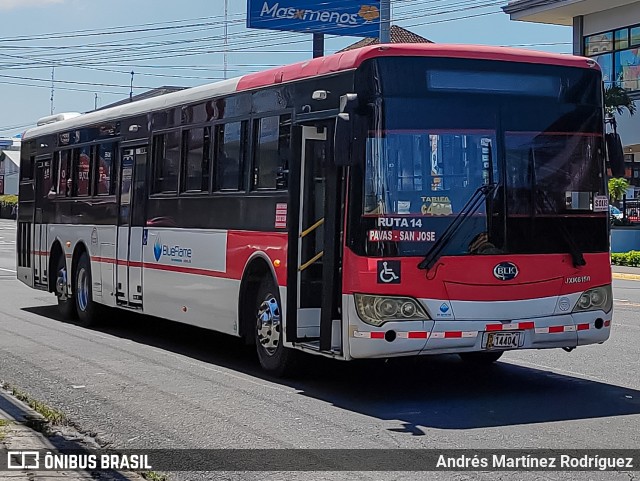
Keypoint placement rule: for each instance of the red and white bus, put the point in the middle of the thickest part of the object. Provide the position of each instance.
(393, 200)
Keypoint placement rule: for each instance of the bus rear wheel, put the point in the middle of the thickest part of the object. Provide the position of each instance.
(88, 311)
(481, 358)
(273, 356)
(66, 304)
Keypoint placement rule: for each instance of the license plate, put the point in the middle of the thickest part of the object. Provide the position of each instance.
(503, 340)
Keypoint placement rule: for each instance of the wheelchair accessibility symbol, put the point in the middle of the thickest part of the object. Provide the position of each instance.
(388, 272)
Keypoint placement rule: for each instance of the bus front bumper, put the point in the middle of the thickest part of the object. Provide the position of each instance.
(409, 338)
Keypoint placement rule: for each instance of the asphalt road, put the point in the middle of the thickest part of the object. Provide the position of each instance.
(147, 383)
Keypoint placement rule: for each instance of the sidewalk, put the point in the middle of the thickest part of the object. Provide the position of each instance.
(626, 273)
(15, 434)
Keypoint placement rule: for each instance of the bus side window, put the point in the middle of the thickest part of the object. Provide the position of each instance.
(271, 158)
(81, 164)
(166, 160)
(64, 173)
(195, 159)
(230, 156)
(104, 169)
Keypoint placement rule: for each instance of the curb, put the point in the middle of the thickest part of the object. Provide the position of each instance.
(21, 412)
(20, 434)
(625, 276)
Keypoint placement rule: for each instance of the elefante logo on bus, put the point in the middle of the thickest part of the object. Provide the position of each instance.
(505, 271)
(176, 253)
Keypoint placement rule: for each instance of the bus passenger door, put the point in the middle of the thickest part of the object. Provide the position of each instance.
(131, 226)
(318, 258)
(43, 184)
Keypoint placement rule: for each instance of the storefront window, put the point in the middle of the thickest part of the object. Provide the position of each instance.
(597, 44)
(635, 36)
(628, 69)
(606, 64)
(622, 39)
(620, 64)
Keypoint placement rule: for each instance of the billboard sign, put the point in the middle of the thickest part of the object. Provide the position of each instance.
(353, 18)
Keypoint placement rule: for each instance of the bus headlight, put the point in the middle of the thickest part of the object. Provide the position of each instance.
(376, 310)
(596, 299)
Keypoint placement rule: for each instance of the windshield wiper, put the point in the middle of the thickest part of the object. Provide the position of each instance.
(470, 208)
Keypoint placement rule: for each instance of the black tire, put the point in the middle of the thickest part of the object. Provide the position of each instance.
(267, 327)
(89, 312)
(481, 358)
(66, 307)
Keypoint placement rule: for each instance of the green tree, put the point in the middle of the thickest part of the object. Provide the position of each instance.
(617, 188)
(616, 99)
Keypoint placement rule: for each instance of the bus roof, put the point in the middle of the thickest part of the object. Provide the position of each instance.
(329, 64)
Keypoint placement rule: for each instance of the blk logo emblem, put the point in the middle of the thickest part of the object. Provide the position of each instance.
(388, 272)
(157, 248)
(505, 271)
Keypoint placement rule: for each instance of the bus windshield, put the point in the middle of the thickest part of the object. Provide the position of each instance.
(430, 148)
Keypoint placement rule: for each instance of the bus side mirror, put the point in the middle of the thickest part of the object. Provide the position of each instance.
(347, 137)
(616, 154)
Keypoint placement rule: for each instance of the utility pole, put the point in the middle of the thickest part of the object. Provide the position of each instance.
(385, 21)
(52, 78)
(95, 102)
(226, 35)
(318, 45)
(131, 90)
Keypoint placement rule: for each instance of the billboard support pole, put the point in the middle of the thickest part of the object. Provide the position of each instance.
(385, 21)
(318, 45)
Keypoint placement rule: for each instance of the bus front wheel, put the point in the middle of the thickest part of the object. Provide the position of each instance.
(273, 356)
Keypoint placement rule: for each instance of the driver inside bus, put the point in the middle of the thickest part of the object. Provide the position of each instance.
(480, 245)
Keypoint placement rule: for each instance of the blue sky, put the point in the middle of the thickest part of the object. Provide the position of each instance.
(95, 45)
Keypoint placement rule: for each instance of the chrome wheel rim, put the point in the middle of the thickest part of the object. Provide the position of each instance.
(83, 289)
(269, 324)
(61, 284)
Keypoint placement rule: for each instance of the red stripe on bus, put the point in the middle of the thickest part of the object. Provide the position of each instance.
(526, 325)
(417, 335)
(187, 270)
(450, 334)
(241, 245)
(104, 260)
(377, 335)
(554, 329)
(582, 327)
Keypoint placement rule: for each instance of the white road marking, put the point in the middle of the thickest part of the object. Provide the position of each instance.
(8, 270)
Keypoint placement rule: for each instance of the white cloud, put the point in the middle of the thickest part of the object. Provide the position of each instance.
(14, 4)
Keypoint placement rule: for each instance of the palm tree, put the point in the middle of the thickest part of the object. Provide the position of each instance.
(616, 100)
(617, 188)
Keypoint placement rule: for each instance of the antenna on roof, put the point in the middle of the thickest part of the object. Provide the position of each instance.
(131, 90)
